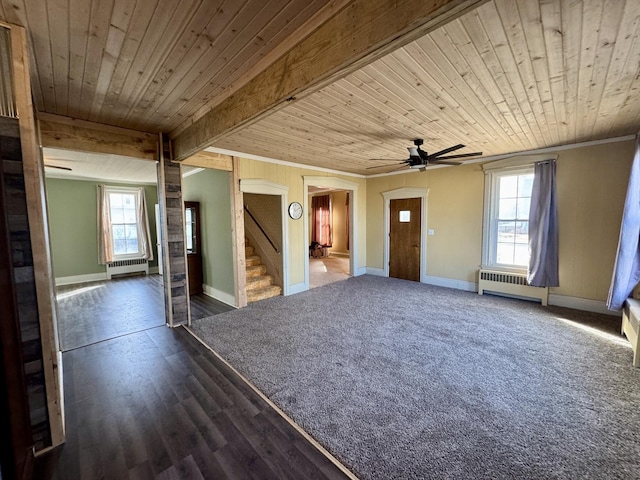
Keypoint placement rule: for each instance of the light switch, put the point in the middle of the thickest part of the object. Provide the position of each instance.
(431, 231)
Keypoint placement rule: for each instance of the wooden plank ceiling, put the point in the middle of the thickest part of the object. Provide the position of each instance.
(510, 76)
(147, 64)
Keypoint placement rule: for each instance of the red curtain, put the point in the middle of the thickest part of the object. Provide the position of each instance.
(347, 218)
(321, 220)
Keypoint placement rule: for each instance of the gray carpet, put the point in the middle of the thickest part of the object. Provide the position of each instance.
(404, 380)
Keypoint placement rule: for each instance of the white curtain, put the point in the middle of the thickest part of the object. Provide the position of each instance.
(543, 227)
(105, 242)
(143, 226)
(626, 272)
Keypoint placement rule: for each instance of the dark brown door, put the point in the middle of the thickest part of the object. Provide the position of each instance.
(404, 238)
(194, 253)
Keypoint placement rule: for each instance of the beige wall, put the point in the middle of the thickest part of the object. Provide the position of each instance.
(454, 212)
(293, 178)
(339, 222)
(591, 187)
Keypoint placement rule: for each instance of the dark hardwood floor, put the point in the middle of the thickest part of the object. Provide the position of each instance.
(158, 404)
(93, 312)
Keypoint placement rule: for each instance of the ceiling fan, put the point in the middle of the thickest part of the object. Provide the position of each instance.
(419, 159)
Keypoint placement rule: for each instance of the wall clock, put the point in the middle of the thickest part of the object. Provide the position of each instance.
(295, 210)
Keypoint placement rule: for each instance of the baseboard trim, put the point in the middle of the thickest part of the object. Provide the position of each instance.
(219, 295)
(451, 283)
(360, 271)
(585, 304)
(297, 288)
(73, 279)
(339, 254)
(378, 272)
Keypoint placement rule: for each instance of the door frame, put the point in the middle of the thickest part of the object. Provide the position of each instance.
(401, 194)
(265, 187)
(334, 183)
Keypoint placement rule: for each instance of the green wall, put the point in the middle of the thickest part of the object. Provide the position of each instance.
(212, 189)
(73, 225)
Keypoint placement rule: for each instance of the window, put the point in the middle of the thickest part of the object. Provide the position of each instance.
(123, 224)
(506, 240)
(123, 207)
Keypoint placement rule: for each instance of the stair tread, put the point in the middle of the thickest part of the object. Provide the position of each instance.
(259, 281)
(263, 293)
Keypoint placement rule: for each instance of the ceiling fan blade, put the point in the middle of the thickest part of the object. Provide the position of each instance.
(382, 166)
(59, 168)
(461, 155)
(446, 150)
(434, 162)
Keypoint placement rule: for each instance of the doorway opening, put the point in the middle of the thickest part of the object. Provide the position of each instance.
(102, 299)
(329, 247)
(330, 230)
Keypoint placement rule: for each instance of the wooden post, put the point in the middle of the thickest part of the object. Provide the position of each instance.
(174, 252)
(237, 232)
(39, 235)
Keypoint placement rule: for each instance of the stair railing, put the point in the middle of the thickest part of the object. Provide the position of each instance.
(246, 209)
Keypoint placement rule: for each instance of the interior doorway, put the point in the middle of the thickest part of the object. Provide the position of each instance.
(337, 260)
(404, 238)
(329, 247)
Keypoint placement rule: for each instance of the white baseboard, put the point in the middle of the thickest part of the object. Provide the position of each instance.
(378, 272)
(219, 295)
(582, 304)
(73, 279)
(451, 283)
(360, 271)
(297, 288)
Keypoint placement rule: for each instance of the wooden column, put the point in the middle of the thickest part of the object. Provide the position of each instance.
(237, 232)
(174, 252)
(34, 276)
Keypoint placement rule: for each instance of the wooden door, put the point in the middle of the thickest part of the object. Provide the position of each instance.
(404, 238)
(194, 242)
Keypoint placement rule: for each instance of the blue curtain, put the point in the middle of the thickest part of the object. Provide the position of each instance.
(543, 227)
(626, 272)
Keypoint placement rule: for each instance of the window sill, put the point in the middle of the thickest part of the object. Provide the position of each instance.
(505, 268)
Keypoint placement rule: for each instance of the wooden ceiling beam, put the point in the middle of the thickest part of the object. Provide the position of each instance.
(355, 36)
(213, 160)
(70, 134)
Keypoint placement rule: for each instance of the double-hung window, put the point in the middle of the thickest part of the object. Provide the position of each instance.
(506, 235)
(125, 231)
(123, 224)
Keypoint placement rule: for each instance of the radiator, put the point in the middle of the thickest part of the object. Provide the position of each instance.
(510, 284)
(131, 265)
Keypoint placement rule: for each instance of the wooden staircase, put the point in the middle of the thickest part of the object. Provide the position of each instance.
(259, 283)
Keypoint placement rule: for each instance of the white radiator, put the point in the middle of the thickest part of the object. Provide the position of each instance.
(131, 265)
(510, 284)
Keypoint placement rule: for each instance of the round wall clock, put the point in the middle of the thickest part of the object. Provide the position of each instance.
(295, 210)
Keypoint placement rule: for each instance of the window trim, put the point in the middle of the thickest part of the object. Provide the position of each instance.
(132, 191)
(489, 233)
